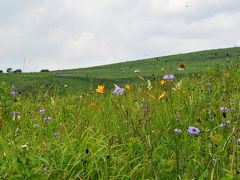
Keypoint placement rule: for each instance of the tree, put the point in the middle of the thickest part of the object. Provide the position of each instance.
(44, 70)
(1, 71)
(9, 70)
(17, 71)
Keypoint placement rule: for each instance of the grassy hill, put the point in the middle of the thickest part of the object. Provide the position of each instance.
(124, 72)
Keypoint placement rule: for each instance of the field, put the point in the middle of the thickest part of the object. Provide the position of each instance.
(184, 126)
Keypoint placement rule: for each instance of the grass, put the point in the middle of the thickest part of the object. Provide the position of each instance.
(128, 136)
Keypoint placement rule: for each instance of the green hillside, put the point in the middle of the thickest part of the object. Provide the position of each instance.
(120, 73)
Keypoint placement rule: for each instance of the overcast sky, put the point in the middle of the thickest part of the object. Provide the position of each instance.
(63, 34)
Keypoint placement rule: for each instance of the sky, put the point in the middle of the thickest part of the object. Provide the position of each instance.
(67, 34)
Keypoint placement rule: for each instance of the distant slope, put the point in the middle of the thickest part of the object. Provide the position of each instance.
(195, 62)
(120, 73)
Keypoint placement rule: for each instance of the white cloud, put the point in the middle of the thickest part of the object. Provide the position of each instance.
(60, 34)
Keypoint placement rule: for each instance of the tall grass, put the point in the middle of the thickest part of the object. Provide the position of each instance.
(86, 135)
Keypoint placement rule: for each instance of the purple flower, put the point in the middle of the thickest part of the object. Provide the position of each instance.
(193, 130)
(168, 77)
(13, 87)
(228, 122)
(45, 119)
(16, 115)
(223, 125)
(42, 111)
(224, 109)
(177, 131)
(118, 90)
(14, 93)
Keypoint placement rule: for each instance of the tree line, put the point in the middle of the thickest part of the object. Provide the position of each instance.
(10, 70)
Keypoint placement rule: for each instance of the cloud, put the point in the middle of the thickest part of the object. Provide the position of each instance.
(61, 34)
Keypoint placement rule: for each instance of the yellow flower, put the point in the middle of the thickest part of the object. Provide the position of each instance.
(164, 94)
(100, 89)
(127, 87)
(162, 82)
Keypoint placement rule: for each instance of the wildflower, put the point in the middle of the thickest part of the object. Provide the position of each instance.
(118, 90)
(45, 119)
(177, 131)
(42, 111)
(100, 89)
(164, 94)
(223, 125)
(193, 130)
(162, 82)
(224, 109)
(228, 122)
(16, 115)
(181, 66)
(14, 93)
(168, 77)
(127, 87)
(13, 87)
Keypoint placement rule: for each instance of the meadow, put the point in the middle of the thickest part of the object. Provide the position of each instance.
(182, 125)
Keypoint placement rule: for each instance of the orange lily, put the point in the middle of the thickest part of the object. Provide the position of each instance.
(162, 82)
(100, 89)
(127, 87)
(164, 94)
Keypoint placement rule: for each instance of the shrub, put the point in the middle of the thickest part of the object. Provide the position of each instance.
(44, 70)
